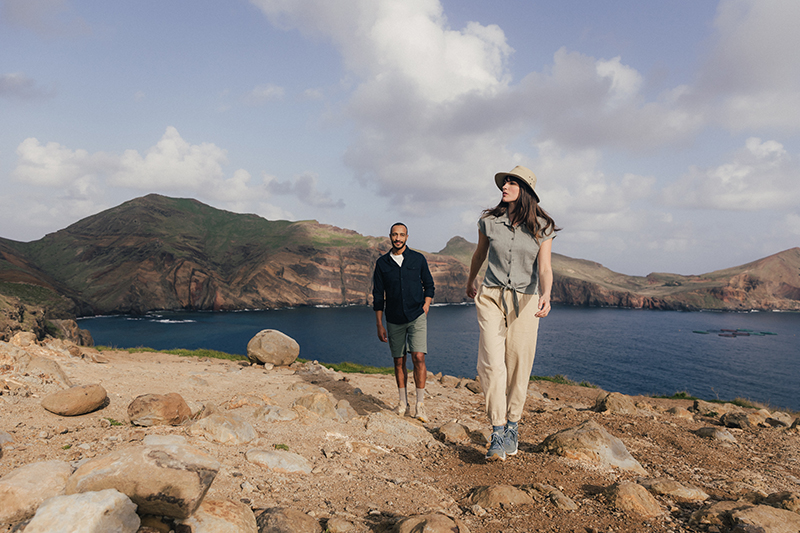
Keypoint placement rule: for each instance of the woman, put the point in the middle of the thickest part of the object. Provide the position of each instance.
(517, 235)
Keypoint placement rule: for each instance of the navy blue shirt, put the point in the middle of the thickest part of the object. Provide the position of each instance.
(401, 291)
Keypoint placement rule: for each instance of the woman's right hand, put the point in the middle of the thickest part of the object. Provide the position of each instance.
(472, 289)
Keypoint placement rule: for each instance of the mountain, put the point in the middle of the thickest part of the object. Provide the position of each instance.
(165, 253)
(157, 252)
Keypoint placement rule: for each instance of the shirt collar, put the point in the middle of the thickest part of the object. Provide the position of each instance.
(503, 219)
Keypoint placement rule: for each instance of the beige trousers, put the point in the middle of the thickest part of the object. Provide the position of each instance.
(506, 350)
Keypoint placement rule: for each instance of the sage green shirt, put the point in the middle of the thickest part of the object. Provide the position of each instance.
(513, 255)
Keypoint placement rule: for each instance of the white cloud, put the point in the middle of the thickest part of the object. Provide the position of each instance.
(583, 102)
(18, 86)
(436, 113)
(263, 94)
(171, 164)
(402, 41)
(625, 81)
(753, 66)
(305, 188)
(762, 175)
(55, 165)
(55, 185)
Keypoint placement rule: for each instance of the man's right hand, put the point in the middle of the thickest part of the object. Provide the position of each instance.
(382, 333)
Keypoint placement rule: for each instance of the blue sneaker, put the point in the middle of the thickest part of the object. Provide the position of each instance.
(510, 439)
(497, 451)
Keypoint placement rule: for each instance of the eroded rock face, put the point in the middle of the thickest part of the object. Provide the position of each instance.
(273, 347)
(168, 480)
(75, 401)
(159, 410)
(590, 442)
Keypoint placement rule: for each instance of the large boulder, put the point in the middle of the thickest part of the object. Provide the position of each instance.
(159, 410)
(166, 480)
(91, 512)
(24, 489)
(273, 347)
(75, 401)
(590, 442)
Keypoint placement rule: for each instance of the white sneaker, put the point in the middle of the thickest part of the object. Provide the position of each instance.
(401, 409)
(422, 416)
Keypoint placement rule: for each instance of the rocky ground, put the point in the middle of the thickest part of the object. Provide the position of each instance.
(369, 474)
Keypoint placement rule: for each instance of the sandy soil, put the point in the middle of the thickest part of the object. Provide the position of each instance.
(373, 481)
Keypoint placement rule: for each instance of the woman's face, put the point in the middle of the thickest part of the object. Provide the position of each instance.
(510, 190)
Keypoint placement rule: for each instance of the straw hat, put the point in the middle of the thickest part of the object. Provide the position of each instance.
(525, 175)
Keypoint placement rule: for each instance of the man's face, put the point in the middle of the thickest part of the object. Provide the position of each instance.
(398, 236)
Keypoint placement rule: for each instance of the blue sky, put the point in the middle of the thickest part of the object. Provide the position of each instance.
(665, 134)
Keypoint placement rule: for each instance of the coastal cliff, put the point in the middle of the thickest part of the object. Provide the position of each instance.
(156, 252)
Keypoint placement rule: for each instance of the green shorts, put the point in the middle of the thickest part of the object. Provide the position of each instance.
(409, 337)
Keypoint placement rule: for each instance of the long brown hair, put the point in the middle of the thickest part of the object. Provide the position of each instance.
(527, 212)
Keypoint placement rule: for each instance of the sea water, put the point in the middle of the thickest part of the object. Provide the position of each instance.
(625, 350)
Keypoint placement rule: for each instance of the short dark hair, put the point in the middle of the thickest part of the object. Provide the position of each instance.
(398, 224)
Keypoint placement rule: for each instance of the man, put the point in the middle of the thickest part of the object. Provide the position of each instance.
(403, 286)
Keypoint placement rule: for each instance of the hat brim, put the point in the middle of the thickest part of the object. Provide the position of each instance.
(500, 178)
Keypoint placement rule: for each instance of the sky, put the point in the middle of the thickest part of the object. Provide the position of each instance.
(665, 134)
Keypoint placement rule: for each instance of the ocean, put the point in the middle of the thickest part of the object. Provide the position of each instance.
(625, 350)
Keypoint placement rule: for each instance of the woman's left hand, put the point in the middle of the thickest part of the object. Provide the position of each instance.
(544, 306)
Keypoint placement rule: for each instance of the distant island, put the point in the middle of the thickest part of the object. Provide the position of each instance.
(156, 252)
